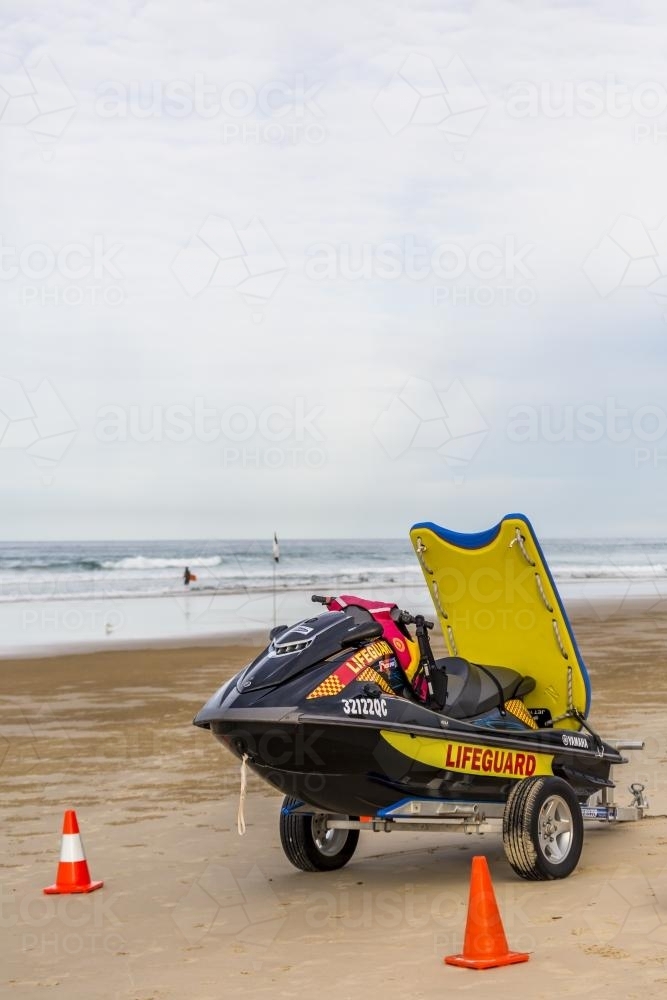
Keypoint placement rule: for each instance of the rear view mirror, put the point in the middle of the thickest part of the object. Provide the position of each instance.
(358, 635)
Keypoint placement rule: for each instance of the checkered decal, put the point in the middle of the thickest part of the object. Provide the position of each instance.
(329, 686)
(357, 668)
(520, 712)
(369, 674)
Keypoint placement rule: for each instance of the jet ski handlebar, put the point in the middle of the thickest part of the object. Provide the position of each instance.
(405, 618)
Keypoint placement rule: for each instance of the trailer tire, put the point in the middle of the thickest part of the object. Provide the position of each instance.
(543, 829)
(309, 846)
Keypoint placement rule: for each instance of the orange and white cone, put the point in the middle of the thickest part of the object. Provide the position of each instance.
(73, 874)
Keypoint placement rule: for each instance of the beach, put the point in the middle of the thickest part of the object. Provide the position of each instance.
(191, 909)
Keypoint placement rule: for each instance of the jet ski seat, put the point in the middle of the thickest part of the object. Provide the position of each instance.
(473, 689)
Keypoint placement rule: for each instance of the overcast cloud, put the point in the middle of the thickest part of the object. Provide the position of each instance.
(332, 268)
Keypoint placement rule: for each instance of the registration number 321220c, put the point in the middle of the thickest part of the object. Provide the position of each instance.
(365, 706)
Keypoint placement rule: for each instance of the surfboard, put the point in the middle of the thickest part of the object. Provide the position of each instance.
(498, 605)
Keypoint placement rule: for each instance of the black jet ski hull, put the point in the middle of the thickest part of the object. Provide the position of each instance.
(361, 767)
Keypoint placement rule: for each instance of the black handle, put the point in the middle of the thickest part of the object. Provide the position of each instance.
(407, 619)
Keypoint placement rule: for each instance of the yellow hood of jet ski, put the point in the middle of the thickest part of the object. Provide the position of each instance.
(498, 605)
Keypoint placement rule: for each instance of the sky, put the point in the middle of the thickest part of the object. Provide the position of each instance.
(331, 269)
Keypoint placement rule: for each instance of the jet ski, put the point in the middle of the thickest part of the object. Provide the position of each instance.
(352, 717)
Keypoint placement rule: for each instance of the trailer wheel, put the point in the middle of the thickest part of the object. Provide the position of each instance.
(309, 845)
(543, 830)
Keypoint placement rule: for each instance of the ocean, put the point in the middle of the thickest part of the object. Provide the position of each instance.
(73, 596)
(44, 571)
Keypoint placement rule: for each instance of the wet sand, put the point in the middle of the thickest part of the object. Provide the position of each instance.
(190, 909)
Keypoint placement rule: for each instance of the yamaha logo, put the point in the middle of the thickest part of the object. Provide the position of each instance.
(571, 740)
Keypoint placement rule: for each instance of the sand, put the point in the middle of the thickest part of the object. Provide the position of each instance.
(189, 909)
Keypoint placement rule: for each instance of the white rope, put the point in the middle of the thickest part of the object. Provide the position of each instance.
(570, 710)
(545, 600)
(570, 702)
(520, 540)
(240, 819)
(438, 606)
(436, 599)
(421, 549)
(563, 650)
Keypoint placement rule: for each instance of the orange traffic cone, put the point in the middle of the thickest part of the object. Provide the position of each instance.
(73, 874)
(485, 944)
